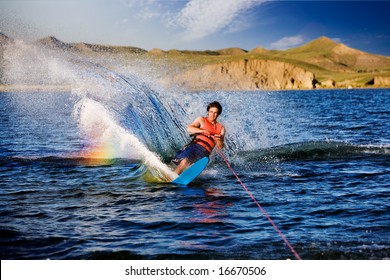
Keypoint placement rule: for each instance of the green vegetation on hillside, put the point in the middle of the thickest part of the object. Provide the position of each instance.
(325, 58)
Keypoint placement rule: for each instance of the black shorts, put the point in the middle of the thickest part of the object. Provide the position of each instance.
(193, 152)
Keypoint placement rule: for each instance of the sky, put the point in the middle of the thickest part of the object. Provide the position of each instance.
(201, 24)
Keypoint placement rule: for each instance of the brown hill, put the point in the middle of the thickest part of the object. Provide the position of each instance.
(156, 51)
(54, 43)
(228, 52)
(244, 75)
(334, 56)
(174, 52)
(328, 63)
(232, 51)
(84, 47)
(4, 39)
(258, 50)
(320, 55)
(319, 63)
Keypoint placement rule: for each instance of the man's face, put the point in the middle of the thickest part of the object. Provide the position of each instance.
(213, 114)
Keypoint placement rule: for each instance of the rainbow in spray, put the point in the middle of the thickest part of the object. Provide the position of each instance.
(107, 140)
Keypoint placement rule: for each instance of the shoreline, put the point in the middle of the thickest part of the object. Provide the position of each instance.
(68, 88)
(34, 88)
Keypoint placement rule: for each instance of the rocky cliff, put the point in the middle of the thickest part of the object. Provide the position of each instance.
(321, 63)
(245, 75)
(381, 82)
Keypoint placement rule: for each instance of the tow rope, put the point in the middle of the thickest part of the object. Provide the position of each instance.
(260, 207)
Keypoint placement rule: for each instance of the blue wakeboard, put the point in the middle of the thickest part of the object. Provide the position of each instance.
(191, 172)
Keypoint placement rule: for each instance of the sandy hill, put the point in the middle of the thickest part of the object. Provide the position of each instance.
(258, 50)
(53, 42)
(227, 51)
(4, 39)
(322, 54)
(174, 52)
(319, 63)
(334, 56)
(232, 51)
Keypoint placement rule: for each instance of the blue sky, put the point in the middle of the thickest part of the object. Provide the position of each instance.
(201, 24)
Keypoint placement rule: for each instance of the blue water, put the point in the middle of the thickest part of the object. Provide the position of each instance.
(317, 161)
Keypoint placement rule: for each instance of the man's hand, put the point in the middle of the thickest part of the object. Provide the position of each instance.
(206, 133)
(217, 136)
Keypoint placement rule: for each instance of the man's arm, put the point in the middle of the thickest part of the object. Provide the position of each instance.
(195, 126)
(219, 139)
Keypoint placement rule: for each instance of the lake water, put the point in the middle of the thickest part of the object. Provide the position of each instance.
(74, 179)
(82, 172)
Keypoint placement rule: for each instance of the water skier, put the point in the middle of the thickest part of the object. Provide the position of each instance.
(207, 133)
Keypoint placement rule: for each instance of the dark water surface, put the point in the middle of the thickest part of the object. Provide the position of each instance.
(317, 161)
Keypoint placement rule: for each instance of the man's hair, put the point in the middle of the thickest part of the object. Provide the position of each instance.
(215, 104)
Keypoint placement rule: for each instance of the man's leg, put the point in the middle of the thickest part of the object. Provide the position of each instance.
(184, 163)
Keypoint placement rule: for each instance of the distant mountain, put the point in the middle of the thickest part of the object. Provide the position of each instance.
(4, 39)
(317, 64)
(232, 51)
(258, 50)
(334, 56)
(53, 42)
(322, 63)
(322, 54)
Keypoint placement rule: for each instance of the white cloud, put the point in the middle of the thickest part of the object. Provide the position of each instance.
(239, 24)
(190, 20)
(139, 3)
(145, 9)
(288, 42)
(200, 18)
(123, 21)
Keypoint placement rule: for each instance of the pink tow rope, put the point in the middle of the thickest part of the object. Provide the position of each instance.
(260, 207)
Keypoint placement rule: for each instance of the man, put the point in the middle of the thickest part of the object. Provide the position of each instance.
(207, 133)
